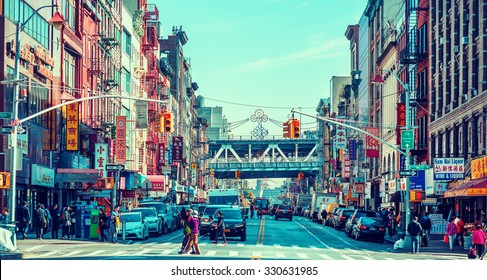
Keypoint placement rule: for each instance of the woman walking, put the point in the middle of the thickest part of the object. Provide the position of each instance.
(451, 231)
(102, 224)
(66, 218)
(479, 241)
(56, 219)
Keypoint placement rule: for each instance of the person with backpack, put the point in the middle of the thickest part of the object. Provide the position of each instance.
(414, 230)
(425, 223)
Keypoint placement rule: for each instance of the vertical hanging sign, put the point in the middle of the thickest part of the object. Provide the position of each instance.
(72, 127)
(101, 156)
(371, 144)
(177, 149)
(194, 173)
(141, 120)
(341, 136)
(352, 149)
(121, 135)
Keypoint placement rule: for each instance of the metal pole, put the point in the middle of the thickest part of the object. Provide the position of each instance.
(408, 158)
(114, 190)
(124, 230)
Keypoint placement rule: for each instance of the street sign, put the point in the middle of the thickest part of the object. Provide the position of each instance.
(5, 115)
(419, 167)
(407, 173)
(407, 139)
(7, 129)
(115, 167)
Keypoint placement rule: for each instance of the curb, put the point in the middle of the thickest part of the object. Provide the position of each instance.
(11, 256)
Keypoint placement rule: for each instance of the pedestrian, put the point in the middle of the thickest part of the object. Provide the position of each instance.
(479, 241)
(115, 223)
(425, 223)
(102, 225)
(66, 222)
(193, 240)
(251, 211)
(460, 224)
(72, 231)
(56, 219)
(48, 218)
(4, 216)
(24, 219)
(41, 221)
(414, 230)
(220, 228)
(451, 230)
(390, 223)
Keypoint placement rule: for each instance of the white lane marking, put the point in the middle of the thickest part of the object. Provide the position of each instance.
(280, 255)
(137, 243)
(314, 236)
(166, 252)
(166, 243)
(34, 248)
(325, 257)
(143, 252)
(388, 259)
(347, 257)
(240, 244)
(72, 253)
(296, 247)
(302, 256)
(118, 253)
(180, 236)
(95, 253)
(343, 240)
(210, 253)
(367, 258)
(48, 254)
(233, 253)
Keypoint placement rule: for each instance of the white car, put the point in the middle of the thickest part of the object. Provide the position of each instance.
(135, 225)
(153, 221)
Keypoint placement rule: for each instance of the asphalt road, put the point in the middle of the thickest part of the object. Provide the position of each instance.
(299, 239)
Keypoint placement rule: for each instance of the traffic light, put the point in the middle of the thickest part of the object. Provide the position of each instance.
(102, 183)
(286, 130)
(4, 180)
(168, 122)
(23, 94)
(113, 132)
(295, 128)
(237, 174)
(158, 123)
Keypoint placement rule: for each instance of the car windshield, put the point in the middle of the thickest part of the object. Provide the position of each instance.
(365, 214)
(160, 207)
(346, 213)
(284, 207)
(231, 214)
(210, 210)
(261, 203)
(201, 208)
(148, 212)
(130, 217)
(371, 221)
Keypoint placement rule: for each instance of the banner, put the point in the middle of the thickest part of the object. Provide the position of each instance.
(341, 136)
(161, 156)
(177, 149)
(478, 168)
(101, 157)
(382, 188)
(368, 190)
(401, 114)
(371, 146)
(346, 167)
(141, 120)
(352, 149)
(72, 127)
(121, 137)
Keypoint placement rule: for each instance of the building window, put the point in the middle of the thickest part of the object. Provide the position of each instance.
(127, 42)
(38, 101)
(125, 80)
(70, 13)
(69, 70)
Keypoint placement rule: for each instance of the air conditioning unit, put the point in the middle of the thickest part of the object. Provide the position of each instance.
(441, 40)
(456, 49)
(447, 108)
(465, 97)
(474, 92)
(465, 40)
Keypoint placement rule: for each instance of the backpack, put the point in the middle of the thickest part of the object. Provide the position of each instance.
(472, 253)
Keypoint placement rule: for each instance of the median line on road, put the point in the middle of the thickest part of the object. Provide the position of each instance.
(261, 233)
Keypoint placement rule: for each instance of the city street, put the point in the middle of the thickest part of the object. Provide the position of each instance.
(267, 239)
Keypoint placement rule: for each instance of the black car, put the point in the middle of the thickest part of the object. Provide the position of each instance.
(284, 211)
(273, 208)
(208, 216)
(352, 220)
(330, 220)
(342, 218)
(369, 228)
(235, 224)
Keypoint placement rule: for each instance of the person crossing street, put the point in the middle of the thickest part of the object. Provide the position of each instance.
(220, 229)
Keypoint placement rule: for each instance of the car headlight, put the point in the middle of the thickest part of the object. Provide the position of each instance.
(239, 225)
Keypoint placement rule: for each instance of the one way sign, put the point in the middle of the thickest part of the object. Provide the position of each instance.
(408, 173)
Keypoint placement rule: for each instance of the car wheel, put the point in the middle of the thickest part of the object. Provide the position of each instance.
(164, 228)
(291, 218)
(243, 237)
(381, 240)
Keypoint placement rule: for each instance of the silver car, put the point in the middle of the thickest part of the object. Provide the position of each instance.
(153, 220)
(135, 225)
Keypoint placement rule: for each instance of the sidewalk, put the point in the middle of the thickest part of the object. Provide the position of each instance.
(48, 236)
(436, 246)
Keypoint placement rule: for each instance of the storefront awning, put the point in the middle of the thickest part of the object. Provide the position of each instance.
(471, 188)
(143, 182)
(76, 175)
(158, 182)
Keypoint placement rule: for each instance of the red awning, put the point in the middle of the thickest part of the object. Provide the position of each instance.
(471, 188)
(158, 182)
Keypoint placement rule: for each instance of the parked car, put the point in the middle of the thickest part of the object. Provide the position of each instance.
(163, 212)
(235, 224)
(284, 211)
(135, 225)
(342, 218)
(154, 222)
(208, 215)
(352, 220)
(369, 228)
(331, 216)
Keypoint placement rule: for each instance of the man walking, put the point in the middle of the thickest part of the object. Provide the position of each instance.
(426, 225)
(115, 223)
(414, 230)
(56, 216)
(41, 221)
(220, 229)
(193, 239)
(24, 220)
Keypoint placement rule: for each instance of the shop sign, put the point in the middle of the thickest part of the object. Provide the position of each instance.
(449, 168)
(72, 127)
(441, 187)
(121, 138)
(179, 188)
(371, 144)
(346, 166)
(128, 193)
(194, 173)
(479, 170)
(438, 224)
(101, 158)
(141, 120)
(161, 160)
(382, 188)
(38, 57)
(368, 190)
(341, 136)
(401, 114)
(177, 149)
(476, 191)
(392, 186)
(358, 188)
(42, 176)
(429, 202)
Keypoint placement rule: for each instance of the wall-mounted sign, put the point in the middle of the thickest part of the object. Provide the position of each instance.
(101, 158)
(72, 127)
(37, 57)
(341, 136)
(371, 144)
(141, 120)
(42, 176)
(352, 149)
(478, 167)
(121, 137)
(449, 168)
(177, 149)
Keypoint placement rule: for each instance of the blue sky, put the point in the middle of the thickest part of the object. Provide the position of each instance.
(264, 53)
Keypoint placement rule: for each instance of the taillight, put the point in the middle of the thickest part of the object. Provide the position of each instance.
(382, 229)
(363, 227)
(290, 211)
(353, 219)
(206, 220)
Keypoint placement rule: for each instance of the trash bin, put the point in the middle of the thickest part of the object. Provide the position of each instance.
(86, 226)
(13, 238)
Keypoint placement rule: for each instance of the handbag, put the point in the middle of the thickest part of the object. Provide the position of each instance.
(445, 238)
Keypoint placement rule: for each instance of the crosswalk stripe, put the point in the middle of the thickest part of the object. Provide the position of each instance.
(143, 252)
(302, 256)
(280, 255)
(48, 254)
(314, 248)
(150, 244)
(137, 243)
(118, 253)
(72, 253)
(260, 245)
(34, 248)
(240, 244)
(347, 257)
(202, 244)
(210, 253)
(388, 259)
(325, 257)
(95, 253)
(367, 258)
(167, 252)
(233, 253)
(277, 245)
(166, 243)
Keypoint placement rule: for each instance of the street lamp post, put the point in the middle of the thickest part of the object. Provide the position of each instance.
(57, 20)
(407, 211)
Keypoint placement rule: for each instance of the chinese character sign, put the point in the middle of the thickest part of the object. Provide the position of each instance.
(340, 137)
(177, 149)
(161, 155)
(371, 143)
(346, 166)
(72, 127)
(352, 149)
(141, 121)
(120, 145)
(478, 168)
(448, 168)
(401, 114)
(101, 157)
